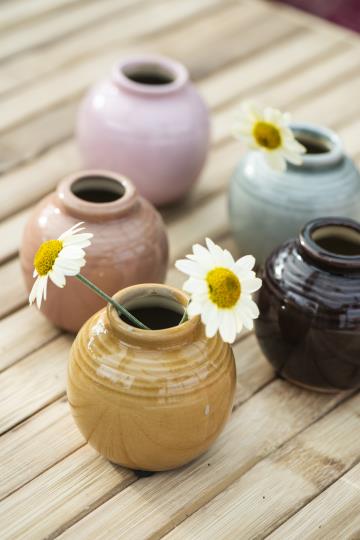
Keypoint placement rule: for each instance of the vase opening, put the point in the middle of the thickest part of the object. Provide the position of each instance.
(98, 189)
(156, 312)
(333, 242)
(338, 240)
(161, 308)
(312, 144)
(149, 74)
(323, 146)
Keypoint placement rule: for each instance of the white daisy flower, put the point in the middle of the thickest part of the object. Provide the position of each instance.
(56, 259)
(267, 129)
(220, 289)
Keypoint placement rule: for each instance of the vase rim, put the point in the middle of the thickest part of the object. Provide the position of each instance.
(321, 136)
(316, 231)
(92, 179)
(173, 336)
(151, 63)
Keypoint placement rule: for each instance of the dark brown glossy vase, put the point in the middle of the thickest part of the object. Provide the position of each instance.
(309, 324)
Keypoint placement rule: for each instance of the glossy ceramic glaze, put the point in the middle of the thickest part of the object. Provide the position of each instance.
(267, 208)
(309, 324)
(145, 399)
(146, 121)
(129, 245)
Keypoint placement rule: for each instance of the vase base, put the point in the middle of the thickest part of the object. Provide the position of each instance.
(310, 387)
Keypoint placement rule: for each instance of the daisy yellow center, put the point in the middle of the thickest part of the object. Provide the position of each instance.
(267, 135)
(46, 255)
(224, 287)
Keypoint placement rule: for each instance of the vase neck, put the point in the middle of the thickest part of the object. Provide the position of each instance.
(153, 296)
(333, 243)
(151, 75)
(96, 195)
(323, 146)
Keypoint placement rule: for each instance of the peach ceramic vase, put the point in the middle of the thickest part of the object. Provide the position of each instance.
(148, 122)
(129, 245)
(150, 399)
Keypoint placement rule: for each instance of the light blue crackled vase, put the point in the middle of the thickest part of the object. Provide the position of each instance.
(267, 207)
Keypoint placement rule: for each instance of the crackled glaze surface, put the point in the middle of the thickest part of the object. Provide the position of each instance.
(158, 135)
(151, 400)
(129, 246)
(267, 208)
(309, 324)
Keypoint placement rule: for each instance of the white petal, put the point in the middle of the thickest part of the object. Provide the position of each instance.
(227, 327)
(35, 274)
(203, 256)
(194, 285)
(191, 268)
(212, 324)
(45, 287)
(81, 240)
(73, 230)
(194, 308)
(71, 252)
(275, 161)
(216, 251)
(246, 263)
(249, 286)
(57, 278)
(250, 306)
(32, 294)
(40, 290)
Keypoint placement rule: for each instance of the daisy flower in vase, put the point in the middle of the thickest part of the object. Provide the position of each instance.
(64, 257)
(220, 289)
(268, 130)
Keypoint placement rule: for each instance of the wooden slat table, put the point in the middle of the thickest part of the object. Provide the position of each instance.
(286, 465)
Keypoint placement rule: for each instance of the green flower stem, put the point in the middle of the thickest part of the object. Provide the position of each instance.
(119, 308)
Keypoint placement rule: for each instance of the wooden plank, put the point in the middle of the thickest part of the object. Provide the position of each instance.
(13, 294)
(154, 506)
(22, 11)
(85, 481)
(11, 233)
(34, 66)
(55, 424)
(70, 83)
(282, 483)
(33, 383)
(59, 25)
(332, 515)
(23, 332)
(36, 445)
(271, 66)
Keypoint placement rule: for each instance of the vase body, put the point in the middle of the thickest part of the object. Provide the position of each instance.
(267, 207)
(129, 244)
(147, 122)
(149, 399)
(309, 323)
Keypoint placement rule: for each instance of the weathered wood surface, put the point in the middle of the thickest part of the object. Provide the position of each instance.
(286, 464)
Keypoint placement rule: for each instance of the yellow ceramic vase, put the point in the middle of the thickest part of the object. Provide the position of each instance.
(150, 400)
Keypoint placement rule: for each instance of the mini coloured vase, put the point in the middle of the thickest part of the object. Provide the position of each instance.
(150, 399)
(309, 323)
(148, 122)
(129, 245)
(267, 207)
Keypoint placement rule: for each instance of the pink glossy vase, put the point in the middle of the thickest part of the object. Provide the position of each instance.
(129, 245)
(148, 122)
